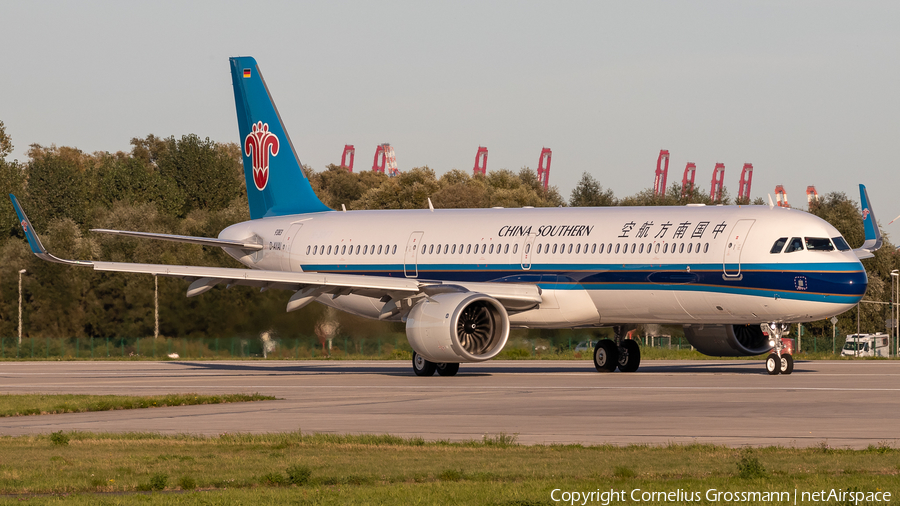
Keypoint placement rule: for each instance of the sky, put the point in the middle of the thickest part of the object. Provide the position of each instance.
(806, 91)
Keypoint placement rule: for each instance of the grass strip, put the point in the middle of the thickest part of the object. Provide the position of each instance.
(383, 469)
(48, 404)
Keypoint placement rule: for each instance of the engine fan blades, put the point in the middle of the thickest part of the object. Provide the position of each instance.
(475, 328)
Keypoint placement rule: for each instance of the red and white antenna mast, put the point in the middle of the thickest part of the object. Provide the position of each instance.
(388, 160)
(544, 172)
(811, 194)
(718, 178)
(659, 182)
(781, 197)
(687, 183)
(481, 161)
(348, 149)
(746, 179)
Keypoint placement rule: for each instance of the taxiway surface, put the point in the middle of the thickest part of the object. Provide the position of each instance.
(735, 403)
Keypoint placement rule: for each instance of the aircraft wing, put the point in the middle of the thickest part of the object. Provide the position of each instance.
(397, 294)
(205, 241)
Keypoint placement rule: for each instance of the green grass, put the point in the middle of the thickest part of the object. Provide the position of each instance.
(46, 404)
(339, 469)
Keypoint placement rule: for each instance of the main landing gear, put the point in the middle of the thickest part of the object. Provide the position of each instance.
(779, 361)
(622, 353)
(424, 367)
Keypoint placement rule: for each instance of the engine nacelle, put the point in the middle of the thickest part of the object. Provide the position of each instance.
(458, 327)
(727, 340)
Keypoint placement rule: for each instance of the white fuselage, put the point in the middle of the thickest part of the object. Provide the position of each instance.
(595, 266)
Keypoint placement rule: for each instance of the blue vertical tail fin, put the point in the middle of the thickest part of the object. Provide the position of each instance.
(276, 185)
(870, 226)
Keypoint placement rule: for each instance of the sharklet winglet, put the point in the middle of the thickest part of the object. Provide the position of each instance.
(34, 242)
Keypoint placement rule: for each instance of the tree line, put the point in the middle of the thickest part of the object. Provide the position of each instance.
(195, 186)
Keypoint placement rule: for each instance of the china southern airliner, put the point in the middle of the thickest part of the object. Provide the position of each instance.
(735, 277)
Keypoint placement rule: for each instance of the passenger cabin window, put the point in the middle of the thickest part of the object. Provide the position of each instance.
(779, 245)
(840, 243)
(796, 244)
(818, 244)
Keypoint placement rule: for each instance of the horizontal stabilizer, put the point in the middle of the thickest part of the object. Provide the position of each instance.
(205, 241)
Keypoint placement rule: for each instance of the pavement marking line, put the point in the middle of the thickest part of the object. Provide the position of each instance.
(468, 388)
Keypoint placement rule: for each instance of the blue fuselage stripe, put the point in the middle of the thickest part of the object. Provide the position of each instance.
(839, 282)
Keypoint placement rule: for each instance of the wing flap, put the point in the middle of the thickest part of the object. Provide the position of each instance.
(253, 277)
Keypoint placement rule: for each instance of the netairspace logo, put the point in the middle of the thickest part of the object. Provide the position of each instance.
(607, 497)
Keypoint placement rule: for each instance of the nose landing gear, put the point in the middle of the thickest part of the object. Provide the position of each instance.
(779, 361)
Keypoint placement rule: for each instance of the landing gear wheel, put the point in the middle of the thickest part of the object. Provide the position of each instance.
(423, 367)
(629, 356)
(447, 369)
(773, 364)
(606, 356)
(787, 364)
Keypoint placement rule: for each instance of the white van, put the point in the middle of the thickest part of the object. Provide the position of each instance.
(866, 345)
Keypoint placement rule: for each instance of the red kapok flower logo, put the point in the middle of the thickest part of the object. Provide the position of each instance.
(258, 145)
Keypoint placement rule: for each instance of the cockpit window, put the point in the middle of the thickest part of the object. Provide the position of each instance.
(840, 243)
(818, 244)
(796, 244)
(779, 245)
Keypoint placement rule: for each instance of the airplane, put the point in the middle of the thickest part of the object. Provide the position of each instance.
(735, 277)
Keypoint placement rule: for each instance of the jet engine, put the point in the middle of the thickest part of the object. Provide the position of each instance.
(458, 327)
(727, 340)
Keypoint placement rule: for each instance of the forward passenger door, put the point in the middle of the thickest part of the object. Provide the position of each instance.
(731, 263)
